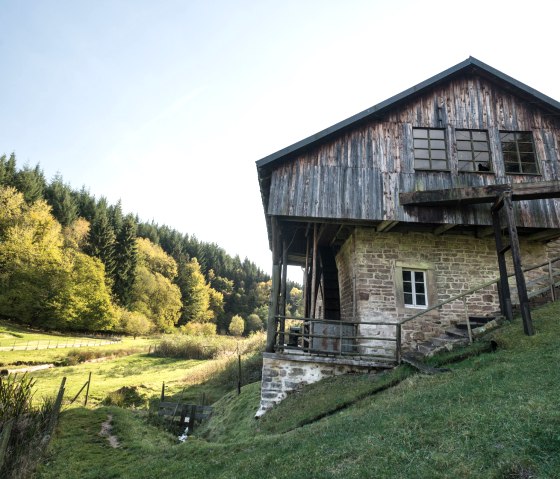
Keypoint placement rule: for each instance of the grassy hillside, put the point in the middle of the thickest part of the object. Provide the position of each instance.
(495, 415)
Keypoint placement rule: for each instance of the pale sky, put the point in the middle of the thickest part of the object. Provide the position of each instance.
(167, 104)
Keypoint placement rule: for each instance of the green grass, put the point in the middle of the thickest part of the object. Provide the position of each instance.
(495, 415)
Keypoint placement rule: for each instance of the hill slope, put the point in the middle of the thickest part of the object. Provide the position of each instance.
(495, 415)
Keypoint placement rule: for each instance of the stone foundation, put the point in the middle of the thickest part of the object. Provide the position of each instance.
(284, 373)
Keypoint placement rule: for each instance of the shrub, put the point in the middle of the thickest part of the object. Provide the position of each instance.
(199, 329)
(236, 326)
(253, 323)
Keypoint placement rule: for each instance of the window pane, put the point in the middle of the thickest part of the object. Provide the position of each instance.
(510, 157)
(420, 288)
(408, 298)
(524, 137)
(437, 144)
(463, 134)
(421, 143)
(406, 275)
(438, 155)
(483, 166)
(480, 136)
(422, 154)
(439, 165)
(439, 134)
(507, 136)
(464, 145)
(464, 155)
(509, 147)
(480, 146)
(418, 277)
(482, 157)
(420, 133)
(420, 300)
(512, 168)
(422, 164)
(530, 168)
(525, 147)
(407, 287)
(466, 166)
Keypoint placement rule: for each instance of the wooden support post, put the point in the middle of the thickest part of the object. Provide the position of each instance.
(163, 391)
(518, 268)
(306, 279)
(283, 291)
(314, 273)
(273, 308)
(503, 285)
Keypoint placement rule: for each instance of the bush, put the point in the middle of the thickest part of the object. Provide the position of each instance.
(236, 326)
(199, 329)
(253, 323)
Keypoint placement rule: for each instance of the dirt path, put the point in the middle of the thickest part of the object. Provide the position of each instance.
(107, 431)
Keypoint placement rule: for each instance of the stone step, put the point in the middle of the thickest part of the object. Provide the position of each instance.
(457, 333)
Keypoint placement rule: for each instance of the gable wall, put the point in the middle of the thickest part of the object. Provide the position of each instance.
(359, 174)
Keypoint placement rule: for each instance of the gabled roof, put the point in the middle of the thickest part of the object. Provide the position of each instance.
(470, 65)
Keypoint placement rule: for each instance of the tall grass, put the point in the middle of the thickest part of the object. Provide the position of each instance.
(207, 347)
(29, 428)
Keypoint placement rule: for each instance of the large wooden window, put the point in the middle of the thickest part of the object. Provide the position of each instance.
(429, 149)
(473, 150)
(519, 153)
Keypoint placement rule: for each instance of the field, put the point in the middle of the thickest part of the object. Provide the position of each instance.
(495, 415)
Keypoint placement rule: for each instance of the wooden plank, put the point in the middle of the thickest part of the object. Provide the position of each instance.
(484, 194)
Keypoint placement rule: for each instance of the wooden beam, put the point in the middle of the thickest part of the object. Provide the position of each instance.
(314, 272)
(443, 228)
(481, 194)
(385, 226)
(544, 235)
(518, 268)
(484, 231)
(273, 307)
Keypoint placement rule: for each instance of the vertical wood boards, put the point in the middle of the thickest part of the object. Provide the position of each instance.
(359, 174)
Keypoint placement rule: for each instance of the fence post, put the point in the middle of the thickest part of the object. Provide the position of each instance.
(398, 348)
(468, 320)
(163, 391)
(551, 277)
(87, 390)
(57, 406)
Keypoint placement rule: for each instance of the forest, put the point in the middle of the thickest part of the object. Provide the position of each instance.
(71, 261)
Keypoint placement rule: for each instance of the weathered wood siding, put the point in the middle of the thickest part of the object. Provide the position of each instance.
(360, 174)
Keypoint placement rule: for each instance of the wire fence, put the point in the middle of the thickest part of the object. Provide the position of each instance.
(36, 345)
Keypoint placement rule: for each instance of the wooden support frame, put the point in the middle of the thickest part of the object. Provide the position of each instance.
(443, 228)
(504, 202)
(273, 307)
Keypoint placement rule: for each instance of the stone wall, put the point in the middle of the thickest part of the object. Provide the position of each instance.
(369, 278)
(283, 373)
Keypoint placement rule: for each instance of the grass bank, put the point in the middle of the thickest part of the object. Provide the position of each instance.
(495, 415)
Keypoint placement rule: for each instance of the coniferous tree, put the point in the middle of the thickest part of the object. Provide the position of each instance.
(7, 170)
(63, 204)
(86, 204)
(31, 183)
(126, 260)
(116, 216)
(101, 242)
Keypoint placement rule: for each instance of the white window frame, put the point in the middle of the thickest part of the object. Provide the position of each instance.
(413, 284)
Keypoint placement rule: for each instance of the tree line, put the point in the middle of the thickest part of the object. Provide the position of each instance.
(69, 260)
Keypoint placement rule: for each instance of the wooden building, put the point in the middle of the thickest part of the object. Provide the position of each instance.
(398, 209)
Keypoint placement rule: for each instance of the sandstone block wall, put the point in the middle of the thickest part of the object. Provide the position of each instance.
(369, 277)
